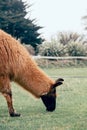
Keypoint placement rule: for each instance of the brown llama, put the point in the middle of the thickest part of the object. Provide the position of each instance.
(17, 65)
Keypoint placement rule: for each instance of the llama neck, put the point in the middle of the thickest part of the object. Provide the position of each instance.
(34, 80)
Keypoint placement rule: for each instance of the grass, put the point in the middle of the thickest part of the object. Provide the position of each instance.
(70, 113)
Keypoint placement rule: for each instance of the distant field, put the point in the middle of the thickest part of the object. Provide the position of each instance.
(71, 109)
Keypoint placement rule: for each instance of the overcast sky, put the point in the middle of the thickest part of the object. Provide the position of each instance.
(58, 15)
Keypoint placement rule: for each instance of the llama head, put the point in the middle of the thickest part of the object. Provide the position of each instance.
(49, 99)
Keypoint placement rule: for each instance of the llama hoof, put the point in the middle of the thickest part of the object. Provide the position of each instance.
(15, 114)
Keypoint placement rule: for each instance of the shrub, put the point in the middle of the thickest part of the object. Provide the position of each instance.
(64, 44)
(76, 49)
(51, 49)
(30, 49)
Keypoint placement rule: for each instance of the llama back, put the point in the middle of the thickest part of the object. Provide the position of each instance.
(13, 56)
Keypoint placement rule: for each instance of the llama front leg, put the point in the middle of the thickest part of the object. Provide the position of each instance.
(8, 97)
(5, 89)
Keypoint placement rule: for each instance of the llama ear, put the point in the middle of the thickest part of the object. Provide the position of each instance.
(58, 82)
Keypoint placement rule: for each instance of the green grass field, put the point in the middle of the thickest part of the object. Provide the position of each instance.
(71, 109)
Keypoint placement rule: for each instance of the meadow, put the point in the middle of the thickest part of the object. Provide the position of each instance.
(71, 108)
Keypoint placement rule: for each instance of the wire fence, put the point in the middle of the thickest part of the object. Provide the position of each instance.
(61, 58)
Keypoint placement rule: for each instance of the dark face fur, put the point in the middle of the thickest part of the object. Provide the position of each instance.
(49, 99)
